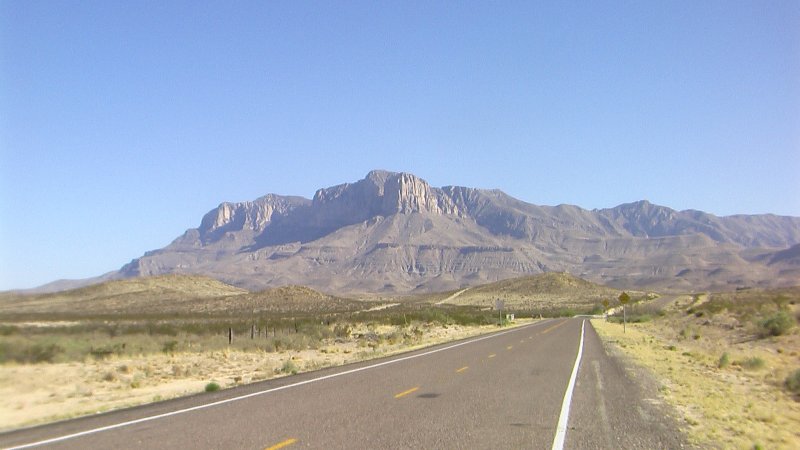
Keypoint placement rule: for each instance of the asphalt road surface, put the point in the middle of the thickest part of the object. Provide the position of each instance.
(504, 390)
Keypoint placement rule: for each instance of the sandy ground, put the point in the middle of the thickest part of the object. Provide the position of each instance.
(723, 407)
(40, 393)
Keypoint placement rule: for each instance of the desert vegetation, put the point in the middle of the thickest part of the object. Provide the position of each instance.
(175, 314)
(50, 338)
(59, 358)
(730, 362)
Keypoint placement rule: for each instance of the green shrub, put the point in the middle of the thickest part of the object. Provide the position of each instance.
(291, 342)
(597, 310)
(394, 337)
(289, 367)
(724, 361)
(44, 353)
(110, 376)
(316, 332)
(640, 318)
(566, 312)
(688, 332)
(342, 330)
(37, 353)
(777, 324)
(753, 363)
(106, 350)
(792, 382)
(169, 346)
(212, 387)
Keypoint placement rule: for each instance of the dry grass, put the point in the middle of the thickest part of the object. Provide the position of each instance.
(45, 392)
(741, 403)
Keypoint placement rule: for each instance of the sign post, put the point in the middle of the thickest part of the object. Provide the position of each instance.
(624, 298)
(498, 306)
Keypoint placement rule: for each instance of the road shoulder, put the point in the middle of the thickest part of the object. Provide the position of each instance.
(616, 403)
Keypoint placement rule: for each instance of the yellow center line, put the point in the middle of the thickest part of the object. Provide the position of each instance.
(462, 369)
(509, 347)
(492, 355)
(285, 443)
(554, 327)
(404, 393)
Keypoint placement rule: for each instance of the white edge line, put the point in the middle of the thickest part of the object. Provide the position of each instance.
(561, 429)
(253, 394)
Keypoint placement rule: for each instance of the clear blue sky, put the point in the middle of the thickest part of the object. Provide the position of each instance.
(122, 123)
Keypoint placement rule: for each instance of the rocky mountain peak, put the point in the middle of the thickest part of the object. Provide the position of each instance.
(383, 193)
(379, 177)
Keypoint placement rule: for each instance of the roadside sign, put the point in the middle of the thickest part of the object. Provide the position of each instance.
(624, 298)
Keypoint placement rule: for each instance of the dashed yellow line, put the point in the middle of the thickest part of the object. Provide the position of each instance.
(285, 443)
(404, 393)
(553, 327)
(492, 355)
(509, 347)
(462, 369)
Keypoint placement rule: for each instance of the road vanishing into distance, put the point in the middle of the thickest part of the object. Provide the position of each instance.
(549, 384)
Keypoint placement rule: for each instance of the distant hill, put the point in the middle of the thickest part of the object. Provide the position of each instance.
(171, 295)
(544, 291)
(393, 233)
(181, 296)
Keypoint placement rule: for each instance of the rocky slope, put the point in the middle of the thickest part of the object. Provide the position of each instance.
(394, 233)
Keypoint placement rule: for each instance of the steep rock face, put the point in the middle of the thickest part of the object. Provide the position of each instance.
(381, 193)
(393, 232)
(254, 216)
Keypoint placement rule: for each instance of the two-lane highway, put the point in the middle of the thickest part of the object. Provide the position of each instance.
(504, 390)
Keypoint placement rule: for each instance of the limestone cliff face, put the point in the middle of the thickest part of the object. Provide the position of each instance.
(383, 193)
(252, 216)
(405, 193)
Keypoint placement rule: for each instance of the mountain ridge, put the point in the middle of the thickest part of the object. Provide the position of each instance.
(391, 232)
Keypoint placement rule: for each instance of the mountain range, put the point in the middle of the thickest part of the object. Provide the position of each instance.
(393, 233)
